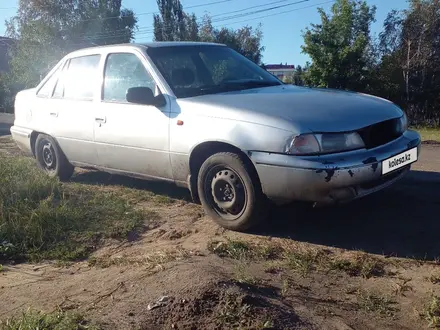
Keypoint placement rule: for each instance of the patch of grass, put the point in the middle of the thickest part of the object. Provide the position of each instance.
(1, 268)
(375, 303)
(233, 313)
(162, 199)
(266, 324)
(153, 261)
(235, 249)
(39, 320)
(434, 278)
(286, 286)
(304, 261)
(402, 287)
(362, 265)
(243, 250)
(42, 218)
(432, 312)
(429, 134)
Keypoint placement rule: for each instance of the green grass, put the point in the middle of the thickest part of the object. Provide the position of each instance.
(435, 278)
(429, 134)
(299, 260)
(33, 320)
(42, 218)
(432, 313)
(302, 261)
(361, 265)
(232, 312)
(243, 250)
(375, 303)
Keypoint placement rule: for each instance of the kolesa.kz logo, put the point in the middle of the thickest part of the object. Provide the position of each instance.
(398, 161)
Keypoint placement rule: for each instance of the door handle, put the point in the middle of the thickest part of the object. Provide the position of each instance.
(54, 114)
(100, 120)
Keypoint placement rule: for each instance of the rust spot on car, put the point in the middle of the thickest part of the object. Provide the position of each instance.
(372, 161)
(330, 172)
(351, 173)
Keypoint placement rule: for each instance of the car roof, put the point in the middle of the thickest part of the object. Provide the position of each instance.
(142, 46)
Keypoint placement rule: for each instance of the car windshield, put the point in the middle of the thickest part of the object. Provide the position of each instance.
(207, 69)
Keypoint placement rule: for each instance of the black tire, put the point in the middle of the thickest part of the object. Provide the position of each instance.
(230, 191)
(51, 159)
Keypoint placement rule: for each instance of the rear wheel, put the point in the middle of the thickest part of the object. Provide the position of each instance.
(51, 159)
(230, 191)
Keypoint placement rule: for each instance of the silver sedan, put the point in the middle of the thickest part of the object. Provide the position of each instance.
(206, 118)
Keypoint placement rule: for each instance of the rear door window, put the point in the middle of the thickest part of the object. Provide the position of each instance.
(80, 80)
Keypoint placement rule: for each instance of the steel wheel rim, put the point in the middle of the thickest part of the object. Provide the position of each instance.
(48, 156)
(225, 192)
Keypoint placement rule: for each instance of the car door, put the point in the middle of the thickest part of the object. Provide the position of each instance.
(72, 109)
(130, 137)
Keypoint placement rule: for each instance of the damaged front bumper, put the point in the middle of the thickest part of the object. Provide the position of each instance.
(330, 178)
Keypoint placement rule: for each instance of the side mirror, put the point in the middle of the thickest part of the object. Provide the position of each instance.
(144, 95)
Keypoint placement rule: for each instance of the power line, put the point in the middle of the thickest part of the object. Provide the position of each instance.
(275, 14)
(244, 9)
(219, 19)
(212, 3)
(150, 32)
(263, 10)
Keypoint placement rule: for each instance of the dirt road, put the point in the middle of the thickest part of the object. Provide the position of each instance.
(312, 275)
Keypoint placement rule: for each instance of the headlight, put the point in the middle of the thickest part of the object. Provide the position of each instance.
(402, 124)
(308, 144)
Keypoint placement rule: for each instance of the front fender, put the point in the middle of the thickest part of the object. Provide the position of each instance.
(241, 135)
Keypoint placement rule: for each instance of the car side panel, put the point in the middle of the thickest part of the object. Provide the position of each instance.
(188, 129)
(73, 128)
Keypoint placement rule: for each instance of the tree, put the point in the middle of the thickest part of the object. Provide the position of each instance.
(298, 78)
(173, 24)
(47, 30)
(409, 69)
(340, 46)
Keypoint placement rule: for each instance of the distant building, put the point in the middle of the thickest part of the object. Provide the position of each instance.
(5, 44)
(280, 70)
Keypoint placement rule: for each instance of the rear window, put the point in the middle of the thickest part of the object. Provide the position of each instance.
(47, 89)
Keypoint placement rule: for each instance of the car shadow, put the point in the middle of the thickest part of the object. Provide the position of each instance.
(156, 187)
(401, 221)
(5, 129)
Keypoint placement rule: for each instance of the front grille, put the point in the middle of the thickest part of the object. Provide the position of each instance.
(380, 133)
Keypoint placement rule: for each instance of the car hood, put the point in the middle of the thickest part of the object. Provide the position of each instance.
(314, 109)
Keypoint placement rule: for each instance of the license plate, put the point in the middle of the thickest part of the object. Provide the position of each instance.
(400, 160)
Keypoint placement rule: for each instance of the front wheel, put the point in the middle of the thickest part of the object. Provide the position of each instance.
(51, 158)
(230, 191)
